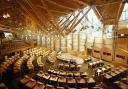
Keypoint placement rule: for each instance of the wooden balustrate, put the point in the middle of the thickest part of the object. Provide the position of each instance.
(12, 46)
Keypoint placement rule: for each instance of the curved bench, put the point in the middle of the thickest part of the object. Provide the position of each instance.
(18, 64)
(40, 63)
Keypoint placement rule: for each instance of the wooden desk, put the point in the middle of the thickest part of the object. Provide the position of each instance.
(72, 66)
(53, 78)
(84, 74)
(71, 82)
(56, 72)
(80, 81)
(91, 82)
(113, 74)
(31, 83)
(25, 80)
(121, 85)
(60, 88)
(61, 64)
(46, 76)
(62, 73)
(69, 74)
(39, 85)
(76, 74)
(125, 80)
(40, 74)
(50, 70)
(62, 80)
(107, 76)
(117, 72)
(66, 66)
(48, 86)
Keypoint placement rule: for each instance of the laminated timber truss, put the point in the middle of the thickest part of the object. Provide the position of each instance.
(44, 15)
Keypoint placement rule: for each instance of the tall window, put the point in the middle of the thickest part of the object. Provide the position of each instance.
(43, 40)
(89, 28)
(69, 41)
(109, 31)
(48, 41)
(63, 44)
(124, 15)
(75, 41)
(38, 40)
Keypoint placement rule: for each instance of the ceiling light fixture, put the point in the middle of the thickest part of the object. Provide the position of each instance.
(7, 15)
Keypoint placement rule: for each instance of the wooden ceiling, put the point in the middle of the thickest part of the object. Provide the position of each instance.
(45, 13)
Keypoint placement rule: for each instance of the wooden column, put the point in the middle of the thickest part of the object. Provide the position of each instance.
(54, 43)
(72, 41)
(66, 44)
(45, 41)
(93, 47)
(101, 51)
(78, 42)
(114, 42)
(60, 43)
(85, 45)
(50, 42)
(40, 40)
(37, 39)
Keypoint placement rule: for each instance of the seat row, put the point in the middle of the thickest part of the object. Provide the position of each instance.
(95, 64)
(62, 81)
(18, 63)
(69, 67)
(30, 63)
(102, 70)
(115, 74)
(88, 59)
(40, 63)
(122, 83)
(59, 82)
(68, 73)
(4, 66)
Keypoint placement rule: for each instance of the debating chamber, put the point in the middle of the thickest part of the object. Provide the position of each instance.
(63, 44)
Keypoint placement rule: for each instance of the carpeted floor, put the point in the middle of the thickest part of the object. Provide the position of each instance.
(11, 80)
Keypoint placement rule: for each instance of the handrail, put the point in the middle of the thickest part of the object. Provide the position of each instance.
(13, 46)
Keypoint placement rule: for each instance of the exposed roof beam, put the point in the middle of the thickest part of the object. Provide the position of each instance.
(36, 19)
(27, 11)
(53, 21)
(66, 20)
(80, 2)
(62, 12)
(37, 13)
(80, 19)
(61, 5)
(119, 11)
(5, 8)
(67, 24)
(98, 13)
(74, 20)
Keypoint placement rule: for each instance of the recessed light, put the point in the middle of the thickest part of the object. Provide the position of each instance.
(122, 34)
